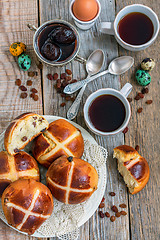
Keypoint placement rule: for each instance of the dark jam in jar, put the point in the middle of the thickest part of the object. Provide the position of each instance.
(107, 113)
(57, 42)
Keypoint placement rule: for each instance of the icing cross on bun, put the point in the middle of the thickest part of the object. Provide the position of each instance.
(71, 180)
(12, 168)
(22, 130)
(133, 167)
(27, 204)
(61, 138)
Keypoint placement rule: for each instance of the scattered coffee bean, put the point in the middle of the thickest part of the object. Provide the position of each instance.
(112, 218)
(145, 90)
(63, 104)
(101, 214)
(141, 95)
(18, 82)
(29, 83)
(118, 214)
(123, 205)
(31, 74)
(129, 99)
(149, 102)
(139, 110)
(114, 208)
(137, 97)
(112, 194)
(63, 76)
(50, 77)
(107, 214)
(137, 148)
(23, 88)
(125, 130)
(35, 97)
(33, 90)
(102, 205)
(55, 76)
(123, 213)
(24, 139)
(23, 95)
(69, 72)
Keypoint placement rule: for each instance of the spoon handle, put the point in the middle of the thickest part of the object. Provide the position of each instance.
(73, 110)
(71, 88)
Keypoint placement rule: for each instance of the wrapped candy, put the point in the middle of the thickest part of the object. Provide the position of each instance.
(17, 48)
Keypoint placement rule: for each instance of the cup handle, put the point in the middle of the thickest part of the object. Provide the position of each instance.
(106, 27)
(31, 27)
(80, 59)
(126, 89)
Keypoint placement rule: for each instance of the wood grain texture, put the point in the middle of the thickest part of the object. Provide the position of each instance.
(96, 228)
(144, 131)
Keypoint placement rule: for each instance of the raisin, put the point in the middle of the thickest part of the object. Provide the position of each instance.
(112, 218)
(107, 214)
(31, 74)
(68, 78)
(63, 104)
(23, 95)
(59, 83)
(55, 76)
(68, 98)
(34, 124)
(118, 214)
(18, 82)
(69, 72)
(102, 205)
(33, 90)
(114, 208)
(112, 194)
(24, 139)
(141, 95)
(16, 150)
(35, 97)
(149, 102)
(101, 214)
(29, 83)
(139, 110)
(129, 99)
(145, 90)
(125, 130)
(34, 118)
(40, 65)
(103, 199)
(50, 77)
(123, 213)
(63, 76)
(137, 148)
(123, 205)
(32, 94)
(137, 97)
(63, 94)
(23, 88)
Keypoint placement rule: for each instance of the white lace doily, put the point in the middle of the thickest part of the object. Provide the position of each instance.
(66, 219)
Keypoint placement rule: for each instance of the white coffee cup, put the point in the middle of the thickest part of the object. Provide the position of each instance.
(84, 25)
(122, 95)
(111, 28)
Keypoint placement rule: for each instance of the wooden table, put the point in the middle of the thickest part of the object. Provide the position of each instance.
(142, 220)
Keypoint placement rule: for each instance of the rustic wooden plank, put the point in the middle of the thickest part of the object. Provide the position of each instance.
(95, 228)
(15, 15)
(144, 131)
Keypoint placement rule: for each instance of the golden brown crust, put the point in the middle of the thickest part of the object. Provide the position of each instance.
(76, 178)
(10, 129)
(19, 166)
(125, 152)
(30, 197)
(59, 131)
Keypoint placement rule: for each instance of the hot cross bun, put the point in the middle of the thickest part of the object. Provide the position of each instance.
(61, 138)
(21, 165)
(22, 130)
(71, 180)
(27, 204)
(133, 167)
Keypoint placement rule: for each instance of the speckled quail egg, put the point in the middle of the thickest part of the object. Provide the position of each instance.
(24, 61)
(17, 48)
(147, 64)
(143, 77)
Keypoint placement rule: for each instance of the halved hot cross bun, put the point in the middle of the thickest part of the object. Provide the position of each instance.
(19, 166)
(22, 130)
(71, 180)
(61, 138)
(133, 167)
(27, 204)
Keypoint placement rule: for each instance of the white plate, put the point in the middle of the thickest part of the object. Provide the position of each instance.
(92, 203)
